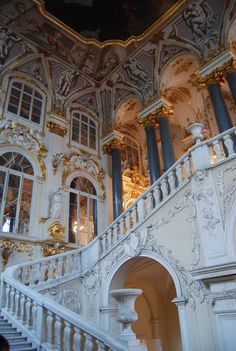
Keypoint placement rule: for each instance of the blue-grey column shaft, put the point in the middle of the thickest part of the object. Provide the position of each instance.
(153, 156)
(222, 115)
(231, 78)
(117, 190)
(166, 143)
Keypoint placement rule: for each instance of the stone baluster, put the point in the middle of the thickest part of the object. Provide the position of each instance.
(50, 269)
(32, 274)
(58, 332)
(89, 343)
(7, 301)
(229, 144)
(149, 201)
(172, 181)
(104, 242)
(128, 220)
(50, 328)
(157, 194)
(187, 167)
(34, 316)
(218, 150)
(109, 237)
(102, 346)
(115, 233)
(77, 339)
(59, 267)
(141, 209)
(179, 173)
(76, 263)
(134, 215)
(164, 188)
(67, 337)
(12, 299)
(17, 304)
(28, 310)
(22, 308)
(67, 265)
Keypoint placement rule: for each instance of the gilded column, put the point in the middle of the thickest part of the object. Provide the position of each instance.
(163, 114)
(113, 145)
(231, 78)
(152, 150)
(212, 76)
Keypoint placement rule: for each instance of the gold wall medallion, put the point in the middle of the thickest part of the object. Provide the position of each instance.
(56, 231)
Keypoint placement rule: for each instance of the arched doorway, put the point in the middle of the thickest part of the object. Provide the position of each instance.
(158, 323)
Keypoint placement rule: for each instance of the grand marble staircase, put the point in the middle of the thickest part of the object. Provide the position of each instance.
(53, 327)
(15, 338)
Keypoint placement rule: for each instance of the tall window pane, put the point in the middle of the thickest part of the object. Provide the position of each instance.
(16, 188)
(25, 102)
(83, 222)
(84, 130)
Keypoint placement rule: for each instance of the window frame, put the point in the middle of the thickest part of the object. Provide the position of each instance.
(89, 196)
(78, 144)
(17, 116)
(8, 172)
(139, 151)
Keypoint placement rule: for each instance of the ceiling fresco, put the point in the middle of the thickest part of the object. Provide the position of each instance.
(108, 19)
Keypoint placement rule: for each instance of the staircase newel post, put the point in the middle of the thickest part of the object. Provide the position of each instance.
(200, 155)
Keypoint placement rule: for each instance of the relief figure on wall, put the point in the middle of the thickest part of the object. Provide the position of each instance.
(56, 204)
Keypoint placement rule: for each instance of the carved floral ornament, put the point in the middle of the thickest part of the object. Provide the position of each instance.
(57, 128)
(218, 75)
(56, 231)
(10, 246)
(115, 144)
(152, 117)
(75, 162)
(14, 133)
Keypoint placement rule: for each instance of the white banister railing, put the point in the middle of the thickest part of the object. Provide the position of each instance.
(202, 155)
(66, 330)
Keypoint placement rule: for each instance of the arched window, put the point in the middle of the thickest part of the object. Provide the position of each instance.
(82, 211)
(25, 102)
(16, 187)
(84, 130)
(130, 156)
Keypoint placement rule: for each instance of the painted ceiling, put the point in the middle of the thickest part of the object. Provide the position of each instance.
(108, 19)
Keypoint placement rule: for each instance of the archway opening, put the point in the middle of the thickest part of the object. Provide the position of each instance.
(158, 323)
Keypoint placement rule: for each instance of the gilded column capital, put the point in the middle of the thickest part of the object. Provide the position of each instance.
(214, 72)
(114, 141)
(152, 117)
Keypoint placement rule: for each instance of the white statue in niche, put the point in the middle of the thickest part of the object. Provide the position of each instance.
(56, 203)
(7, 40)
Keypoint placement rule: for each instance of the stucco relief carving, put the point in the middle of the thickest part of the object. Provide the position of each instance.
(14, 133)
(139, 77)
(91, 281)
(208, 214)
(68, 298)
(200, 17)
(75, 162)
(65, 83)
(55, 204)
(7, 40)
(191, 289)
(221, 295)
(226, 193)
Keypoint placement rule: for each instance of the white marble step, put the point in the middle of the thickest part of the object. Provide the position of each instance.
(17, 341)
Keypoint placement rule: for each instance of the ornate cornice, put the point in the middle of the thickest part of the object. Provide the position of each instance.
(113, 141)
(114, 144)
(214, 71)
(218, 75)
(57, 128)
